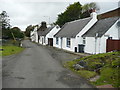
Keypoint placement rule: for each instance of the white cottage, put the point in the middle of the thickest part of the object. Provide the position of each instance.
(95, 39)
(69, 37)
(34, 35)
(46, 36)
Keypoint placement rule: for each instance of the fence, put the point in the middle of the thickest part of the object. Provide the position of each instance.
(113, 45)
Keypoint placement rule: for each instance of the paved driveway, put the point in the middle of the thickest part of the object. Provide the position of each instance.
(40, 67)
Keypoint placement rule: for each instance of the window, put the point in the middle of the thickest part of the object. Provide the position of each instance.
(57, 40)
(68, 42)
(84, 41)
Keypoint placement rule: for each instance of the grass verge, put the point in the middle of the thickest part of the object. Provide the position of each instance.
(109, 64)
(10, 49)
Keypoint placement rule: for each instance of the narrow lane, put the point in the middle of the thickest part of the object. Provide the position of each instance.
(36, 68)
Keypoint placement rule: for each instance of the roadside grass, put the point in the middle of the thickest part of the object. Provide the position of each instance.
(109, 72)
(10, 49)
(84, 73)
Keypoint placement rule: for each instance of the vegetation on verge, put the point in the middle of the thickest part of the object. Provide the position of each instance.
(109, 64)
(9, 50)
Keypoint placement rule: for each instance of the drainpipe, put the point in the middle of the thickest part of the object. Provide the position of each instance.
(99, 44)
(96, 36)
(61, 42)
(95, 44)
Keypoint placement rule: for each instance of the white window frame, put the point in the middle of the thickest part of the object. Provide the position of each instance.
(68, 42)
(84, 40)
(57, 40)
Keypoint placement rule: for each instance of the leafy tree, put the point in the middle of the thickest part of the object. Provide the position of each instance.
(73, 12)
(17, 32)
(28, 30)
(87, 9)
(5, 20)
(7, 31)
(76, 11)
(5, 24)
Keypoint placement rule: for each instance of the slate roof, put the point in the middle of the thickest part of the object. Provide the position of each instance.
(45, 32)
(100, 27)
(71, 29)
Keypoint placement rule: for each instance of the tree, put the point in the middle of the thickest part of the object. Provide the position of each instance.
(28, 30)
(87, 9)
(5, 20)
(73, 12)
(17, 32)
(5, 24)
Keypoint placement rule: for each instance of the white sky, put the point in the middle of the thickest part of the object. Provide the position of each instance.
(26, 12)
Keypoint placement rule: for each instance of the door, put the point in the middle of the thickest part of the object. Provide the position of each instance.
(42, 40)
(112, 45)
(50, 41)
(81, 48)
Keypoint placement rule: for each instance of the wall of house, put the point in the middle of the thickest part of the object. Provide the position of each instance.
(59, 42)
(52, 33)
(78, 39)
(34, 35)
(112, 32)
(63, 44)
(92, 45)
(42, 40)
(100, 43)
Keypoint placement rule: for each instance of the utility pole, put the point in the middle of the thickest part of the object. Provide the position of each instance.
(12, 34)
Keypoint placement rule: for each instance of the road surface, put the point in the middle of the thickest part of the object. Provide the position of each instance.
(40, 67)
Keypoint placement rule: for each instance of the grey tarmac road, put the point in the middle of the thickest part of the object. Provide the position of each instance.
(39, 67)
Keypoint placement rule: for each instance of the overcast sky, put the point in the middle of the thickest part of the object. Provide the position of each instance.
(26, 12)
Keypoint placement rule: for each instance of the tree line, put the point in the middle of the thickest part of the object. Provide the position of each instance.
(9, 32)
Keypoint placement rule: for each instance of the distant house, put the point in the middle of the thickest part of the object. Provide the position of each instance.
(40, 30)
(69, 37)
(34, 35)
(46, 36)
(96, 38)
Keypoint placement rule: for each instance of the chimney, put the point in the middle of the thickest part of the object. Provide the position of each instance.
(93, 13)
(43, 24)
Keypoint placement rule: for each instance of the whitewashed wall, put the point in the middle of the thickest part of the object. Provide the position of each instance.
(51, 34)
(63, 44)
(34, 35)
(101, 42)
(78, 39)
(59, 42)
(112, 32)
(44, 39)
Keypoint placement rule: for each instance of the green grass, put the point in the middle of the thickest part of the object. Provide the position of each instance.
(109, 76)
(9, 50)
(84, 73)
(110, 68)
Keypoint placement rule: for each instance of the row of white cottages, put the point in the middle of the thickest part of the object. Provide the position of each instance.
(88, 35)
